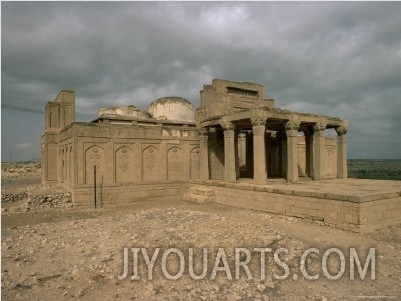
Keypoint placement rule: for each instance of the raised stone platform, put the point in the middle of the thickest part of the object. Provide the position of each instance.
(353, 204)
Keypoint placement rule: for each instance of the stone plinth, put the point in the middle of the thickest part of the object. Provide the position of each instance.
(351, 204)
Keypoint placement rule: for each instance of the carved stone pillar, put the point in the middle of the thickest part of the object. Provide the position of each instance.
(230, 174)
(204, 154)
(291, 130)
(309, 153)
(342, 152)
(319, 151)
(242, 151)
(259, 151)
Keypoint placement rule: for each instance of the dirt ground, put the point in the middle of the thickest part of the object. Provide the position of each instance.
(70, 253)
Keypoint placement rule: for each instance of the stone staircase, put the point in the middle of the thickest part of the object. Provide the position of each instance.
(201, 194)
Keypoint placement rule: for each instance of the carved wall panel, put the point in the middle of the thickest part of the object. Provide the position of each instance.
(151, 164)
(194, 163)
(331, 162)
(94, 155)
(301, 160)
(175, 163)
(124, 165)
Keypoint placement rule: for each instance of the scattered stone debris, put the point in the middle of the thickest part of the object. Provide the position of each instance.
(62, 253)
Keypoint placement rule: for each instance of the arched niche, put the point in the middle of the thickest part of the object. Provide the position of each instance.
(175, 163)
(150, 163)
(94, 156)
(124, 165)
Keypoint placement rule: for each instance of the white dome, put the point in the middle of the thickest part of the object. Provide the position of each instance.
(172, 108)
(130, 111)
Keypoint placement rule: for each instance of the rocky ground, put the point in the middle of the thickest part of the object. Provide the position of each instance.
(52, 251)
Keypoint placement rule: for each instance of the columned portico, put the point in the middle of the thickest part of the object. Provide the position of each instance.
(319, 151)
(291, 129)
(259, 151)
(342, 152)
(204, 154)
(251, 138)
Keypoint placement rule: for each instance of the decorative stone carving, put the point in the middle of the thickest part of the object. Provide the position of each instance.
(226, 125)
(203, 131)
(174, 163)
(124, 164)
(258, 121)
(319, 126)
(241, 135)
(331, 162)
(94, 155)
(341, 130)
(292, 124)
(150, 164)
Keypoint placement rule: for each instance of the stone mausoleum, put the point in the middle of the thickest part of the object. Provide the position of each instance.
(237, 148)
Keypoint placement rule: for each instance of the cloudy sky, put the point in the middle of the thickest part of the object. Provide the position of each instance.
(334, 58)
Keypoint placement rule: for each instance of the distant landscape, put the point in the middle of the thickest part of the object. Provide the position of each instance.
(374, 169)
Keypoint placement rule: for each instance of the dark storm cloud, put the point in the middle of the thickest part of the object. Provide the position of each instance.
(341, 59)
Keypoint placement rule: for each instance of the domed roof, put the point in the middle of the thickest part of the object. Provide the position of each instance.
(172, 108)
(130, 111)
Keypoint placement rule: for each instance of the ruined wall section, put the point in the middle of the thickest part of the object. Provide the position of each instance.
(58, 114)
(224, 97)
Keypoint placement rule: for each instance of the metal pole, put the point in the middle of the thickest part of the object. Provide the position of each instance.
(94, 182)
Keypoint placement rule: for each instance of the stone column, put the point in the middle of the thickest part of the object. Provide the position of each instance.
(291, 130)
(319, 151)
(342, 152)
(230, 174)
(236, 154)
(309, 153)
(268, 150)
(259, 151)
(204, 154)
(242, 151)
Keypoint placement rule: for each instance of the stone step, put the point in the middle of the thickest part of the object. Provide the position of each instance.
(201, 199)
(201, 194)
(201, 191)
